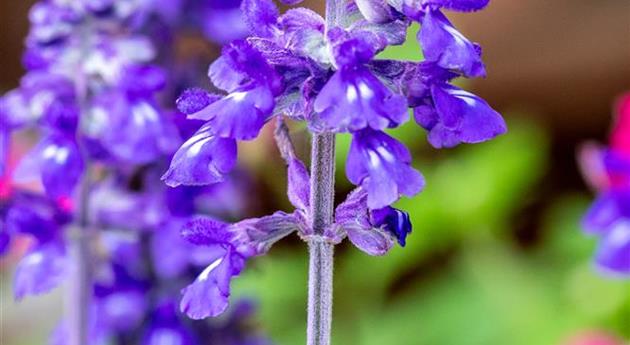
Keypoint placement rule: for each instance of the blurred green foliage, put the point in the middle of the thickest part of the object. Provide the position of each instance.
(463, 278)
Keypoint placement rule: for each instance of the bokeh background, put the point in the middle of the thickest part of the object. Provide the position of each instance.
(497, 255)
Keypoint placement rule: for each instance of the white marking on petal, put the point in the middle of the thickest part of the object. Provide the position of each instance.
(49, 152)
(143, 112)
(351, 94)
(238, 96)
(34, 259)
(196, 147)
(206, 273)
(62, 155)
(365, 91)
(620, 234)
(460, 40)
(467, 97)
(375, 159)
(386, 155)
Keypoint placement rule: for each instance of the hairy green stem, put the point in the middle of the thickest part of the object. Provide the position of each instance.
(320, 287)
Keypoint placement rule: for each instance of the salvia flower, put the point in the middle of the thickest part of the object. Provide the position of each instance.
(608, 170)
(298, 66)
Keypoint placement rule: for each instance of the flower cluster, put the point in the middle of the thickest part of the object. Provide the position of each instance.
(94, 91)
(89, 84)
(608, 170)
(135, 284)
(327, 73)
(90, 91)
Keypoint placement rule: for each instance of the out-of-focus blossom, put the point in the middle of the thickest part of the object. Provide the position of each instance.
(608, 170)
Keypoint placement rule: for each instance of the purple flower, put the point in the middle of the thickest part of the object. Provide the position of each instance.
(41, 270)
(381, 165)
(208, 294)
(372, 231)
(457, 116)
(34, 215)
(56, 161)
(609, 218)
(131, 129)
(608, 171)
(231, 245)
(613, 254)
(240, 115)
(166, 328)
(261, 16)
(202, 159)
(223, 21)
(443, 44)
(354, 99)
(353, 216)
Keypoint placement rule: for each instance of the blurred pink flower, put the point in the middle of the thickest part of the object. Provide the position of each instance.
(620, 139)
(594, 338)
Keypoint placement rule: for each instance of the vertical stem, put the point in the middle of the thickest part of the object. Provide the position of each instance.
(79, 296)
(320, 272)
(320, 285)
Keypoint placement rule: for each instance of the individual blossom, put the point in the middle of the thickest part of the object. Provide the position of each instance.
(231, 246)
(372, 231)
(608, 171)
(381, 165)
(354, 98)
(26, 214)
(441, 42)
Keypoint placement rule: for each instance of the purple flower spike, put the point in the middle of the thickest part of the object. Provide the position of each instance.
(442, 43)
(613, 255)
(57, 162)
(381, 165)
(395, 221)
(458, 117)
(354, 99)
(240, 115)
(40, 271)
(202, 159)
